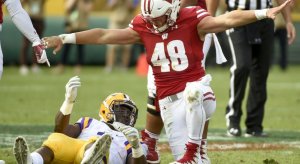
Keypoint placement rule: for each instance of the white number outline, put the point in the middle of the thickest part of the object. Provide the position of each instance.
(176, 56)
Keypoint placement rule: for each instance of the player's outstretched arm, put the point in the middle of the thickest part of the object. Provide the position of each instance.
(237, 18)
(63, 116)
(23, 22)
(93, 36)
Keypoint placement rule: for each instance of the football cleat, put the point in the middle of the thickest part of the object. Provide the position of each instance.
(21, 151)
(191, 155)
(256, 134)
(234, 132)
(98, 150)
(203, 153)
(153, 154)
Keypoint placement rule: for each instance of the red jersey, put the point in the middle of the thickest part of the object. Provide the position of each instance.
(202, 3)
(1, 13)
(175, 55)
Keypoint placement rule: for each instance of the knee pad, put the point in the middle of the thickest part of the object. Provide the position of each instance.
(200, 93)
(193, 94)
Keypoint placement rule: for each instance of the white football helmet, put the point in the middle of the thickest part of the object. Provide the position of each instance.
(157, 8)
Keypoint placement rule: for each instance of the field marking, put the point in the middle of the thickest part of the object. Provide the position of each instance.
(7, 140)
(217, 146)
(250, 146)
(216, 142)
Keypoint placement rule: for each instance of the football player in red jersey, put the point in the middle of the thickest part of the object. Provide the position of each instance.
(173, 42)
(21, 19)
(154, 123)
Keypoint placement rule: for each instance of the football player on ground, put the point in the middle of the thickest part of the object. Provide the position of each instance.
(22, 20)
(113, 139)
(173, 40)
(154, 123)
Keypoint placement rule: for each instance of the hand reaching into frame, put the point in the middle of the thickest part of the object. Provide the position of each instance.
(40, 53)
(53, 42)
(272, 12)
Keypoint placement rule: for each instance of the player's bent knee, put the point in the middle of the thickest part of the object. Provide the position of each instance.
(193, 94)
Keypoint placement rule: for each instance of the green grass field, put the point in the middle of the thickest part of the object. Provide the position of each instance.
(28, 105)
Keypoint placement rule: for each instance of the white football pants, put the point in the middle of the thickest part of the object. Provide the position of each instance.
(183, 119)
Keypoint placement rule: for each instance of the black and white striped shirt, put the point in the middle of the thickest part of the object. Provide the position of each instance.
(248, 4)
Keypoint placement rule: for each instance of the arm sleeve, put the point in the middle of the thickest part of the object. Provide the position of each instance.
(22, 20)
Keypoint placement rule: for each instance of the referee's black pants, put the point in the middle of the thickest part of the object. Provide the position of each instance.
(251, 60)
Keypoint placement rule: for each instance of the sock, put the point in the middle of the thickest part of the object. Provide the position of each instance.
(203, 146)
(152, 135)
(36, 158)
(198, 142)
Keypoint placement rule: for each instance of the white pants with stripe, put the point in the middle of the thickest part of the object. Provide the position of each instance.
(184, 120)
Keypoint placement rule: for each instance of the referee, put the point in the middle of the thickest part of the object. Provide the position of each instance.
(251, 48)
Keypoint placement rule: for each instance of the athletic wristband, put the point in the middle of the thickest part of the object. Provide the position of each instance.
(261, 14)
(138, 152)
(68, 38)
(35, 43)
(66, 108)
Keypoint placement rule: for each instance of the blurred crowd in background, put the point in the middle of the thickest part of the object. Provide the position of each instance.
(119, 13)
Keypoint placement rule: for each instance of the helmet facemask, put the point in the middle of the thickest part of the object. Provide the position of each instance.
(152, 9)
(125, 113)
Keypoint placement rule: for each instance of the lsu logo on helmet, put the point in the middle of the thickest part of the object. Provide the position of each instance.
(120, 108)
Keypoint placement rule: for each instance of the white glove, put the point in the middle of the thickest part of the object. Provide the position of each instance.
(132, 136)
(70, 96)
(131, 133)
(71, 89)
(40, 53)
(118, 125)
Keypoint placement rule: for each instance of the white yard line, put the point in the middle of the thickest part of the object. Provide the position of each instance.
(8, 139)
(223, 143)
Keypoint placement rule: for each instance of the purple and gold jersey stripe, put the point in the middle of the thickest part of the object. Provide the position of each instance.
(127, 147)
(84, 122)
